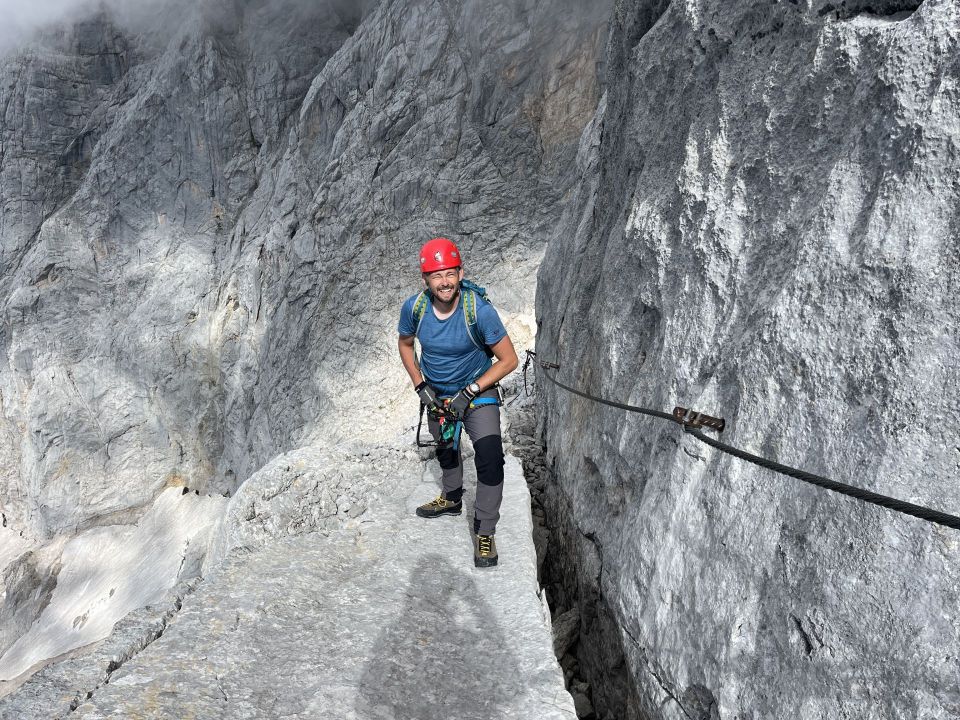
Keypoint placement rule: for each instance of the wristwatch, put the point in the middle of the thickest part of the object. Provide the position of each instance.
(474, 388)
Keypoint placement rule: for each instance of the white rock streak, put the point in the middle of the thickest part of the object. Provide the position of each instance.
(107, 572)
(12, 545)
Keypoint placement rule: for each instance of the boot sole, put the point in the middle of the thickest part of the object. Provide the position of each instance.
(429, 515)
(480, 562)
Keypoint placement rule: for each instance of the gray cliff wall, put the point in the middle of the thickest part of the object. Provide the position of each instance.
(208, 224)
(208, 228)
(766, 228)
(113, 387)
(210, 218)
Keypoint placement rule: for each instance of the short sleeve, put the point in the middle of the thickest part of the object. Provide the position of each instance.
(491, 327)
(406, 325)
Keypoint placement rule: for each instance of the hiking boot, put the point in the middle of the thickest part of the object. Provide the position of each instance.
(484, 551)
(440, 506)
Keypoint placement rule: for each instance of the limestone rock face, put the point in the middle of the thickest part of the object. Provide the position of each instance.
(379, 614)
(111, 246)
(108, 572)
(765, 229)
(202, 261)
(210, 217)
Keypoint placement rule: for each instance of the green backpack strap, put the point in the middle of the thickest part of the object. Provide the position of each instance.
(420, 306)
(470, 292)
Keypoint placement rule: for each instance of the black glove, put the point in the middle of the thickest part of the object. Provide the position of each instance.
(461, 401)
(428, 396)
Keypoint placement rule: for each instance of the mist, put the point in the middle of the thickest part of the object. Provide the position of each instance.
(25, 19)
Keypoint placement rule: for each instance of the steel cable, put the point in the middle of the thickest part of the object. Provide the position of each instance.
(622, 406)
(900, 506)
(917, 511)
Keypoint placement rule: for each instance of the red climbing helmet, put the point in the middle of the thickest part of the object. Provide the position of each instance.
(438, 254)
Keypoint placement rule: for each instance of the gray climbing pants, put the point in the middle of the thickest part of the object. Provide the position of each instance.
(482, 424)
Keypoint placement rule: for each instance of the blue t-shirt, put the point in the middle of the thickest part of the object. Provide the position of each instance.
(449, 358)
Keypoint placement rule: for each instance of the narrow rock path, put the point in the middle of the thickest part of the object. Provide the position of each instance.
(386, 618)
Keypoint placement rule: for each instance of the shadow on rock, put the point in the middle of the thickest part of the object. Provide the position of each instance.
(444, 656)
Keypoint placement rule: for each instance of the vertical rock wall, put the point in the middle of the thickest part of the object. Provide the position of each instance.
(208, 228)
(766, 228)
(211, 217)
(131, 162)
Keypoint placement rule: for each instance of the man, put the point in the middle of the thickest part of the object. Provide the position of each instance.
(456, 371)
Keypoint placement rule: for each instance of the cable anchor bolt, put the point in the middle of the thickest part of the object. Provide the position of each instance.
(542, 363)
(695, 420)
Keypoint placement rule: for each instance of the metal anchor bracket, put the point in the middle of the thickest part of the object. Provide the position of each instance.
(696, 420)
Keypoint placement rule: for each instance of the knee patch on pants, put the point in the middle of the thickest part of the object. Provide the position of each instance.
(489, 460)
(448, 458)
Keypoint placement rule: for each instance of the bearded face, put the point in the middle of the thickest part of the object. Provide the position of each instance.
(444, 284)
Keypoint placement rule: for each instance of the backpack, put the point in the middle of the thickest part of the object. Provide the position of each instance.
(469, 294)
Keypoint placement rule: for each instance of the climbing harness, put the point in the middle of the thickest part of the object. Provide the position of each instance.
(469, 294)
(444, 419)
(694, 422)
(451, 426)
